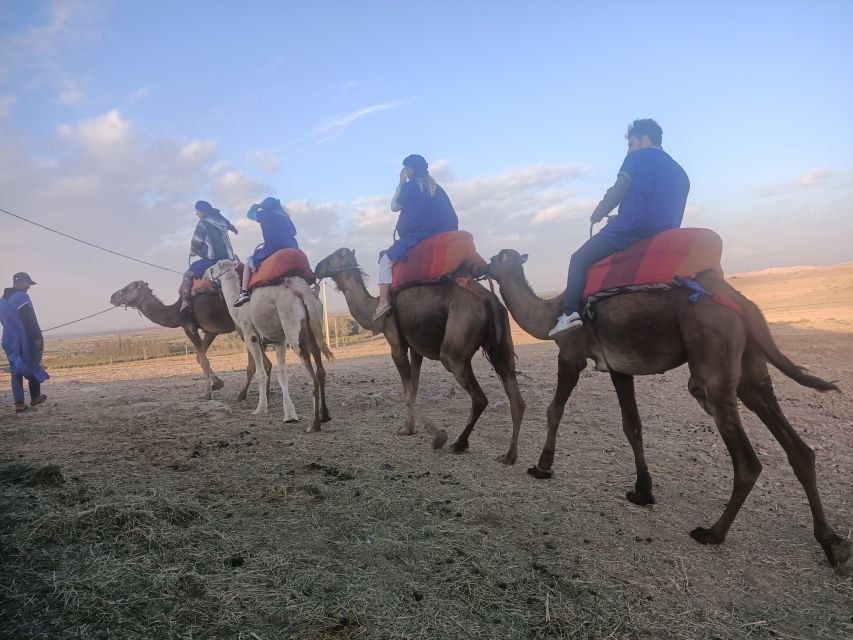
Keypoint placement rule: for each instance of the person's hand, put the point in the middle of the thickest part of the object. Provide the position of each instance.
(404, 175)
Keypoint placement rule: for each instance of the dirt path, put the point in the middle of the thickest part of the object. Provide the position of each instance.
(183, 518)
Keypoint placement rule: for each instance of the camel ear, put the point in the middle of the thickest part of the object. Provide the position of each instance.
(523, 258)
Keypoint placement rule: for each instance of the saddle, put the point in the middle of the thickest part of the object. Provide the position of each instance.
(659, 263)
(438, 259)
(283, 264)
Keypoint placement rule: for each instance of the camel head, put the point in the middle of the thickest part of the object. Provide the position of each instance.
(507, 260)
(133, 295)
(220, 269)
(341, 260)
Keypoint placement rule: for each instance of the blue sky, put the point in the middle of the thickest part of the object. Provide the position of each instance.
(116, 116)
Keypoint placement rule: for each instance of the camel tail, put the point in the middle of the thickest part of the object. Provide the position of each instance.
(498, 348)
(314, 310)
(759, 332)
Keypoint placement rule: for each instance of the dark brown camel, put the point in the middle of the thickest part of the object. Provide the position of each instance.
(440, 322)
(727, 355)
(210, 316)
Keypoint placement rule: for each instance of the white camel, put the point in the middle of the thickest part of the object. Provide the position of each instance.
(282, 314)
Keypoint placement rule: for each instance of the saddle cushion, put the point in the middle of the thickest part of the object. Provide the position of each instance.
(280, 265)
(201, 286)
(657, 260)
(436, 257)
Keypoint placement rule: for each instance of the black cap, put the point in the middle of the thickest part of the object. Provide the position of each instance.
(22, 277)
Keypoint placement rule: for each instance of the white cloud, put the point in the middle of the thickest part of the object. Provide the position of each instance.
(267, 160)
(337, 125)
(806, 180)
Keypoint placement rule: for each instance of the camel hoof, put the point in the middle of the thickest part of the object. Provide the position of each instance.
(406, 431)
(241, 396)
(290, 420)
(258, 412)
(313, 428)
(218, 384)
(540, 474)
(508, 459)
(325, 417)
(439, 439)
(460, 446)
(705, 536)
(840, 555)
(640, 498)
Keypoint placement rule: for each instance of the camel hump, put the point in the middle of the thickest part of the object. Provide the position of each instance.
(435, 258)
(658, 259)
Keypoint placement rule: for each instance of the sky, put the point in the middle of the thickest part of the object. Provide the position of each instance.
(115, 117)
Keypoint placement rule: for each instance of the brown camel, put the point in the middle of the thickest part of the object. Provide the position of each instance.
(441, 322)
(210, 316)
(648, 333)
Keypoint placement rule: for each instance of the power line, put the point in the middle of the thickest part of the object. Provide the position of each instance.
(78, 320)
(810, 304)
(115, 253)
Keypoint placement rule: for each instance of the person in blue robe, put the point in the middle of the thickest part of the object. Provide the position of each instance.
(23, 342)
(279, 233)
(425, 211)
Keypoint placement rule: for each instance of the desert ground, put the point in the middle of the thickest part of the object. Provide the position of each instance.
(131, 508)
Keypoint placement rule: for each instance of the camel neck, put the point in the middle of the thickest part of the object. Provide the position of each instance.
(159, 313)
(361, 304)
(533, 314)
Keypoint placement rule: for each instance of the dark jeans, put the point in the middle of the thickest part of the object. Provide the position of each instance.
(596, 248)
(18, 388)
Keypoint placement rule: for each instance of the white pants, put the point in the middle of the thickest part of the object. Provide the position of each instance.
(385, 269)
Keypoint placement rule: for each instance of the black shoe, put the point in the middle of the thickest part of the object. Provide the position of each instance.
(242, 299)
(38, 400)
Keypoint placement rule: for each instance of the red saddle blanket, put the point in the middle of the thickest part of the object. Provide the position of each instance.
(281, 264)
(657, 260)
(436, 257)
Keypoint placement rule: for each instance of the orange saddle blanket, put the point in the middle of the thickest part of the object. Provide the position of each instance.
(657, 260)
(435, 258)
(280, 265)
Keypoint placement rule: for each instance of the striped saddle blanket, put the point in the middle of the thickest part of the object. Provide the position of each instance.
(435, 258)
(657, 260)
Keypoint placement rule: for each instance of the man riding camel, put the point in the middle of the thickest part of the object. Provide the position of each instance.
(210, 243)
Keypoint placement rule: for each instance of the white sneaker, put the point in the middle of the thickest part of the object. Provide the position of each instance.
(565, 322)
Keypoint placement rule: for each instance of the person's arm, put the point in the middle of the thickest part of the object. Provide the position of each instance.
(31, 325)
(612, 198)
(197, 243)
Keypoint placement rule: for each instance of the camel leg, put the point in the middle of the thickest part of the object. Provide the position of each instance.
(464, 374)
(281, 370)
(417, 360)
(758, 396)
(257, 352)
(250, 373)
(205, 344)
(201, 357)
(567, 380)
(633, 428)
(302, 346)
(722, 400)
(516, 410)
(401, 360)
(321, 375)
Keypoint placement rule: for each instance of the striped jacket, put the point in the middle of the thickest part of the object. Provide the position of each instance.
(210, 241)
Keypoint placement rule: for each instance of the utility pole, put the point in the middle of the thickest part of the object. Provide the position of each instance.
(325, 314)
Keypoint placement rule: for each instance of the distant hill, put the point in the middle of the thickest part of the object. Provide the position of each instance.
(808, 296)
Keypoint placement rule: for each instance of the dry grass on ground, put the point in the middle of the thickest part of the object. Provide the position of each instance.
(132, 509)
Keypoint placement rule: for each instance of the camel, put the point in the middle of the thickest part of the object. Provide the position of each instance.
(282, 314)
(441, 322)
(648, 333)
(210, 316)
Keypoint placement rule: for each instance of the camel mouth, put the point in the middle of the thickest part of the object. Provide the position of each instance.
(115, 299)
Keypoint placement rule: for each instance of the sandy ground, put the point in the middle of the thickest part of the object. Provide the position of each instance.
(133, 509)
